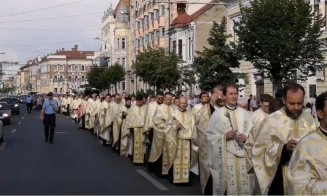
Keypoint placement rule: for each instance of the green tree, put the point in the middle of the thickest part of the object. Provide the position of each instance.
(158, 68)
(280, 36)
(187, 77)
(95, 78)
(116, 74)
(213, 65)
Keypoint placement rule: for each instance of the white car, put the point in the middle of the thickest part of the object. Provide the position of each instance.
(1, 132)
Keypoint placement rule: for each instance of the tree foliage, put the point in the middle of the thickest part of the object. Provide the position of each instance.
(116, 74)
(101, 78)
(279, 36)
(158, 68)
(213, 65)
(94, 77)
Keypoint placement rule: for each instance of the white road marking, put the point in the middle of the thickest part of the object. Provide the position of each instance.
(13, 131)
(152, 180)
(2, 146)
(19, 122)
(61, 132)
(23, 117)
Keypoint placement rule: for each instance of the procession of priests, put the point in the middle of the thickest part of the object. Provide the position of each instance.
(273, 147)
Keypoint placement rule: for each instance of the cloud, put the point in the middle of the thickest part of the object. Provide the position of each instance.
(26, 40)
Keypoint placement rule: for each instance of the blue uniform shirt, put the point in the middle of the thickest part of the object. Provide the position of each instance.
(50, 106)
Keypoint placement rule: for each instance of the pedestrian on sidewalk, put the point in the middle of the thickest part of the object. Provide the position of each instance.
(48, 116)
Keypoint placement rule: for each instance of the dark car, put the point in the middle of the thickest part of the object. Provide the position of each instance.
(13, 104)
(22, 98)
(5, 113)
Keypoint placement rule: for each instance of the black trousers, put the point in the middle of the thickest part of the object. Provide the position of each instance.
(49, 123)
(29, 107)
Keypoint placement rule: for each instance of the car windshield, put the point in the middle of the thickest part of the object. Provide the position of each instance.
(9, 100)
(4, 106)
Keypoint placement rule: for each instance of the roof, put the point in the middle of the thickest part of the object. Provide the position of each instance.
(126, 3)
(203, 9)
(182, 20)
(75, 54)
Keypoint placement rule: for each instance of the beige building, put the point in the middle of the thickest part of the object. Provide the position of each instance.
(190, 31)
(115, 37)
(60, 72)
(64, 71)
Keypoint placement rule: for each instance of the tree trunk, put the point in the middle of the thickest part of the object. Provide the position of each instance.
(277, 86)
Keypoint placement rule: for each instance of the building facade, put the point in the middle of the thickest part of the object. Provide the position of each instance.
(190, 31)
(256, 84)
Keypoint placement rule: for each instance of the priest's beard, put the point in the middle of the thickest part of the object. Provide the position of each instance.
(292, 114)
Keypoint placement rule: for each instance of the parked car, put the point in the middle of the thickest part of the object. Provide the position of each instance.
(5, 113)
(13, 104)
(22, 98)
(1, 132)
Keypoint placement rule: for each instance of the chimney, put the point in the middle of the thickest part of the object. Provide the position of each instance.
(181, 7)
(75, 48)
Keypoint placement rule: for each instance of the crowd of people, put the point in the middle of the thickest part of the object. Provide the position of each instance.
(268, 146)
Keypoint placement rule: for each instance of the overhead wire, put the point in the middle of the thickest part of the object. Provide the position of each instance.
(54, 18)
(40, 9)
(51, 30)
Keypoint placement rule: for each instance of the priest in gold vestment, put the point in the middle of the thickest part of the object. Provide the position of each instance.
(103, 131)
(277, 138)
(202, 113)
(162, 122)
(258, 118)
(307, 174)
(90, 113)
(118, 112)
(133, 134)
(183, 130)
(228, 129)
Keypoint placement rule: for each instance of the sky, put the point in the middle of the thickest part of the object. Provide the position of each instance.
(32, 28)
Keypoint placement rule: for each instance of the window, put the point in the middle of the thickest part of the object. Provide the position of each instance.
(61, 90)
(55, 79)
(118, 60)
(76, 67)
(55, 90)
(234, 28)
(61, 67)
(83, 68)
(312, 90)
(162, 10)
(69, 67)
(180, 48)
(190, 48)
(152, 38)
(83, 79)
(69, 79)
(163, 32)
(117, 44)
(61, 79)
(55, 68)
(123, 62)
(123, 43)
(76, 79)
(174, 46)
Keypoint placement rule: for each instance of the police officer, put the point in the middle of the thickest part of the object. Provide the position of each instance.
(48, 116)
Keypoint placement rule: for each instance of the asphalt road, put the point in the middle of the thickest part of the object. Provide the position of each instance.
(76, 163)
